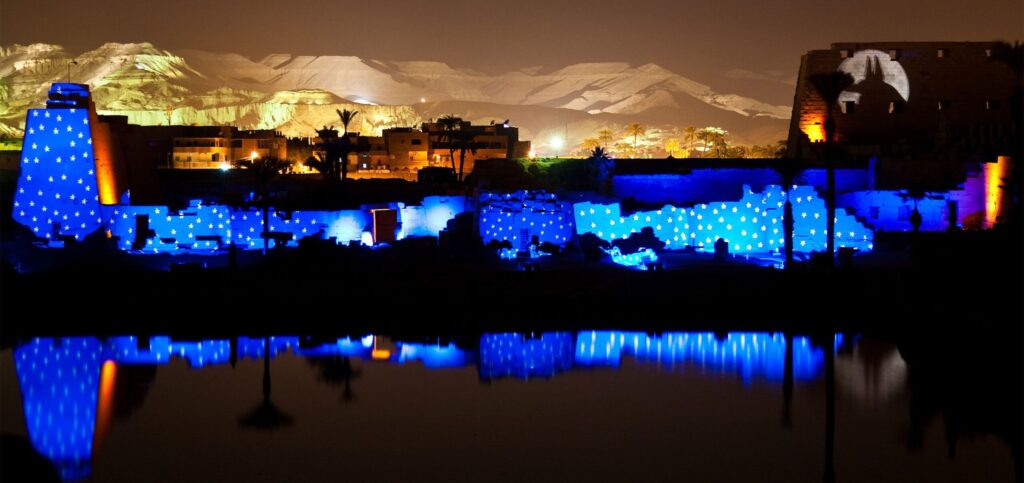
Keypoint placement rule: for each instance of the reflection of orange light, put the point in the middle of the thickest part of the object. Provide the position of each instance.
(105, 405)
(379, 354)
(994, 173)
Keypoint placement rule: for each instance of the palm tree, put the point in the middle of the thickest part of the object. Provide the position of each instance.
(788, 171)
(333, 151)
(463, 141)
(689, 137)
(264, 171)
(449, 124)
(829, 86)
(673, 147)
(605, 136)
(636, 130)
(346, 117)
(600, 164)
(589, 144)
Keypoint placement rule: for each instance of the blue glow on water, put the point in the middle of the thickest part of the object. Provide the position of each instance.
(57, 186)
(59, 380)
(253, 348)
(342, 347)
(751, 225)
(520, 216)
(751, 355)
(433, 356)
(515, 355)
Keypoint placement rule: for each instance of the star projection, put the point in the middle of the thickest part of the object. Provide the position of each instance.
(208, 229)
(57, 192)
(751, 355)
(520, 216)
(752, 225)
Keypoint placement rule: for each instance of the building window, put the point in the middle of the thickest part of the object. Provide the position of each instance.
(941, 53)
(988, 53)
(904, 213)
(874, 212)
(842, 54)
(236, 143)
(848, 107)
(215, 157)
(945, 105)
(895, 107)
(417, 142)
(991, 105)
(894, 54)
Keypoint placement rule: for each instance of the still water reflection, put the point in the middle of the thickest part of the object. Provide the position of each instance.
(598, 405)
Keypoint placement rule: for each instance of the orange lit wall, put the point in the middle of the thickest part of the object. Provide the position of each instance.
(107, 157)
(994, 173)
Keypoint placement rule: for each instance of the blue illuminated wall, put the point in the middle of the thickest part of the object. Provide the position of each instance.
(520, 216)
(59, 382)
(751, 225)
(702, 184)
(57, 184)
(208, 229)
(751, 355)
(515, 355)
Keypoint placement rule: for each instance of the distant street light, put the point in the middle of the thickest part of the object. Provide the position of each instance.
(557, 143)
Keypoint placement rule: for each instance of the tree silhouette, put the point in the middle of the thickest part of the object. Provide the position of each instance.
(829, 86)
(337, 371)
(449, 124)
(463, 141)
(789, 170)
(264, 171)
(346, 117)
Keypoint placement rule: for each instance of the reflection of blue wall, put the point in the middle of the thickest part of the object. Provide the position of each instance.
(520, 216)
(747, 354)
(515, 355)
(342, 347)
(59, 382)
(433, 356)
(58, 178)
(751, 225)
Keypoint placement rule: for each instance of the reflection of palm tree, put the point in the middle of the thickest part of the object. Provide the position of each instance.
(787, 384)
(829, 87)
(266, 416)
(829, 475)
(335, 371)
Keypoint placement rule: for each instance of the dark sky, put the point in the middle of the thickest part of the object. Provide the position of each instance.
(704, 40)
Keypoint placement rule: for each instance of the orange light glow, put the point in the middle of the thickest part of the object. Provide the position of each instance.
(105, 404)
(380, 354)
(994, 173)
(815, 130)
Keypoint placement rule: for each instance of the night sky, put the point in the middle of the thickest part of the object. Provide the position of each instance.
(717, 42)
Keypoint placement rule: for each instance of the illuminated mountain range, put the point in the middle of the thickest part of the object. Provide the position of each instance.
(297, 94)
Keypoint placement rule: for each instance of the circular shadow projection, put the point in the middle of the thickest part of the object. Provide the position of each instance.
(873, 66)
